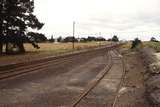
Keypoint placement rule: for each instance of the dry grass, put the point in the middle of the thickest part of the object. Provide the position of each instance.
(47, 49)
(127, 45)
(61, 47)
(154, 45)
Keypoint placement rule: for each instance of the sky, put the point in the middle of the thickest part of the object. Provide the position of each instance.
(127, 19)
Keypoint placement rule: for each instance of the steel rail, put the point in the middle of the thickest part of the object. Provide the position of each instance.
(31, 66)
(41, 60)
(121, 82)
(93, 83)
(15, 65)
(42, 66)
(28, 69)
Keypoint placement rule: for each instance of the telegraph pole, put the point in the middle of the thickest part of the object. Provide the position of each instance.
(73, 34)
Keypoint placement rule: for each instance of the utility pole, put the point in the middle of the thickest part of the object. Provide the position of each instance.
(73, 34)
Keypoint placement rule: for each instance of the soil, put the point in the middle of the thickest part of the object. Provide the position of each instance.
(132, 93)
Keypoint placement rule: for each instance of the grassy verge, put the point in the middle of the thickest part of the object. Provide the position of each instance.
(154, 45)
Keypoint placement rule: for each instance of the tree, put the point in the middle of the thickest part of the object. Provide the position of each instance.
(59, 39)
(70, 39)
(1, 29)
(37, 37)
(135, 43)
(16, 17)
(109, 39)
(153, 39)
(100, 39)
(83, 40)
(52, 39)
(115, 38)
(90, 38)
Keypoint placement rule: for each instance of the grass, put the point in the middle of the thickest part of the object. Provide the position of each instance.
(61, 47)
(127, 45)
(48, 49)
(154, 45)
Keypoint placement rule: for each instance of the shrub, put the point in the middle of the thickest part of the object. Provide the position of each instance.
(153, 39)
(115, 38)
(135, 43)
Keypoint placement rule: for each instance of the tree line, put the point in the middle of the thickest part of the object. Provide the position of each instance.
(73, 39)
(83, 39)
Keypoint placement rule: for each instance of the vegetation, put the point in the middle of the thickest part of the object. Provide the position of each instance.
(70, 39)
(52, 39)
(48, 49)
(153, 39)
(36, 37)
(135, 43)
(115, 38)
(154, 45)
(88, 39)
(59, 39)
(16, 17)
(127, 45)
(58, 47)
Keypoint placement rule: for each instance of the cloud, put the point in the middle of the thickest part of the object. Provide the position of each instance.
(94, 16)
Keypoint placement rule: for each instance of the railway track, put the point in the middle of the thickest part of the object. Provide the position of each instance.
(43, 60)
(44, 69)
(121, 83)
(53, 58)
(94, 83)
(20, 69)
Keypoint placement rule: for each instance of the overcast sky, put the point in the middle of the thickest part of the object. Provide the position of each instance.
(126, 18)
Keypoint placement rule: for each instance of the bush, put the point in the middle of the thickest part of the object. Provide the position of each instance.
(52, 39)
(115, 39)
(70, 39)
(136, 43)
(153, 39)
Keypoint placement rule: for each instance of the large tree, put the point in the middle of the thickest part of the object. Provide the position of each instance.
(16, 17)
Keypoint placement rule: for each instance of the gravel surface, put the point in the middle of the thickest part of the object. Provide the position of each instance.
(132, 92)
(54, 87)
(104, 93)
(152, 63)
(59, 86)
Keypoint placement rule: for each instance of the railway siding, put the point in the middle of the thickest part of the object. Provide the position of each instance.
(103, 90)
(92, 79)
(49, 58)
(53, 85)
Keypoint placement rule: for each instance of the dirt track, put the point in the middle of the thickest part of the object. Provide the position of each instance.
(59, 86)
